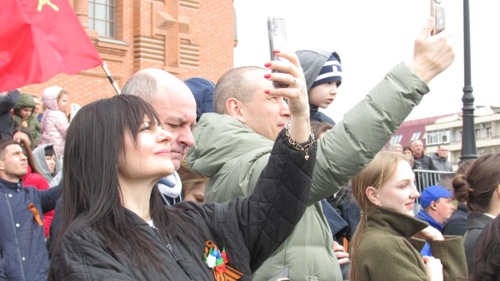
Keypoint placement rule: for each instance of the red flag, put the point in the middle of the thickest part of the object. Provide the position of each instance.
(39, 39)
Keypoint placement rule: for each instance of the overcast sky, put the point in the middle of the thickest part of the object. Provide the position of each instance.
(373, 36)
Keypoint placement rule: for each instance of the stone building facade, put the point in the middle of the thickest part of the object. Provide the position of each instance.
(184, 37)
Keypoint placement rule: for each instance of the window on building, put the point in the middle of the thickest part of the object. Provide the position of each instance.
(396, 139)
(102, 17)
(438, 137)
(415, 136)
(489, 132)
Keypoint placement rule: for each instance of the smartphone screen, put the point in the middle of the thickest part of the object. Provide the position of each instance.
(438, 13)
(277, 39)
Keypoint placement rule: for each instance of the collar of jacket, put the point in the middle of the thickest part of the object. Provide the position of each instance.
(477, 220)
(394, 222)
(440, 158)
(420, 157)
(313, 109)
(10, 185)
(423, 215)
(462, 206)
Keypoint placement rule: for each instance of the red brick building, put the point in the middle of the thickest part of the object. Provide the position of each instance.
(184, 37)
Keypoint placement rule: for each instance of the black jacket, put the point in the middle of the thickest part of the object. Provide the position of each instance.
(319, 116)
(250, 229)
(476, 222)
(423, 163)
(456, 224)
(7, 102)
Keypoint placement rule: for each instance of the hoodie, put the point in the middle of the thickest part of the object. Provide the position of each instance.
(312, 62)
(39, 155)
(203, 92)
(26, 101)
(54, 122)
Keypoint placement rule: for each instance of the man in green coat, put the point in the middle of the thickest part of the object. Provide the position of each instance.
(233, 146)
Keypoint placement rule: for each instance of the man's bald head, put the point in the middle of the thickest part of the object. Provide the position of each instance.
(236, 83)
(146, 82)
(173, 101)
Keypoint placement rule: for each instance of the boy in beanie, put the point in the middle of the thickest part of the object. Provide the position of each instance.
(323, 73)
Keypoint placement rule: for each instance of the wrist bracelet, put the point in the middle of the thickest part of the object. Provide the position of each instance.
(300, 147)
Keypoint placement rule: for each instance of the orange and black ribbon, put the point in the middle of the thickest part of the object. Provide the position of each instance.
(222, 272)
(36, 214)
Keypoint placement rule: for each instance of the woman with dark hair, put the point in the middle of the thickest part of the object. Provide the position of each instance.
(487, 259)
(116, 227)
(456, 224)
(480, 189)
(389, 238)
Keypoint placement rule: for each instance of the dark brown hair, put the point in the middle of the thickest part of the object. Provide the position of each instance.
(479, 182)
(91, 190)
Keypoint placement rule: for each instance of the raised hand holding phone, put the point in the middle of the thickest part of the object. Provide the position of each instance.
(438, 13)
(277, 40)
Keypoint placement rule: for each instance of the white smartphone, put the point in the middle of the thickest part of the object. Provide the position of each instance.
(438, 13)
(277, 40)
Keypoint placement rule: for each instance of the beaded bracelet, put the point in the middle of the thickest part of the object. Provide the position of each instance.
(300, 147)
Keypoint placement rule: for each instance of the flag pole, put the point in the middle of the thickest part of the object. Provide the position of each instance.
(110, 78)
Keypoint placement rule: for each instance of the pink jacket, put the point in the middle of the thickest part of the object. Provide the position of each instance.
(54, 122)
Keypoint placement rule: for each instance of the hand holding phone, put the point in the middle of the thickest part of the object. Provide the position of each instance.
(438, 13)
(277, 39)
(277, 35)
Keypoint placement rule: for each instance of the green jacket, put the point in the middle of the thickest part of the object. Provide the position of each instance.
(26, 100)
(233, 156)
(387, 251)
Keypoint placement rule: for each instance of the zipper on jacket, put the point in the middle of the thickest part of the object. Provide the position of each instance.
(177, 260)
(15, 234)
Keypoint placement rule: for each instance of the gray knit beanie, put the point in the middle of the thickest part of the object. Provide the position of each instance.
(313, 61)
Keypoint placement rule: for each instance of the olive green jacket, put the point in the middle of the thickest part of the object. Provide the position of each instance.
(233, 156)
(387, 251)
(26, 100)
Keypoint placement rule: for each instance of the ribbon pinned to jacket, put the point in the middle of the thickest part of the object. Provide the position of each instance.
(217, 260)
(36, 214)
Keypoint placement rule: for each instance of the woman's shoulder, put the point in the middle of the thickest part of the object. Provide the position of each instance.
(377, 241)
(80, 227)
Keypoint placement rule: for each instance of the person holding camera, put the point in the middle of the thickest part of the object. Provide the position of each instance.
(233, 145)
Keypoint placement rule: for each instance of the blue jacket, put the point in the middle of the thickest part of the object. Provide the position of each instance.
(423, 216)
(22, 240)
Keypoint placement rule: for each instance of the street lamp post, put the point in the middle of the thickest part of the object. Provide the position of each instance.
(468, 133)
